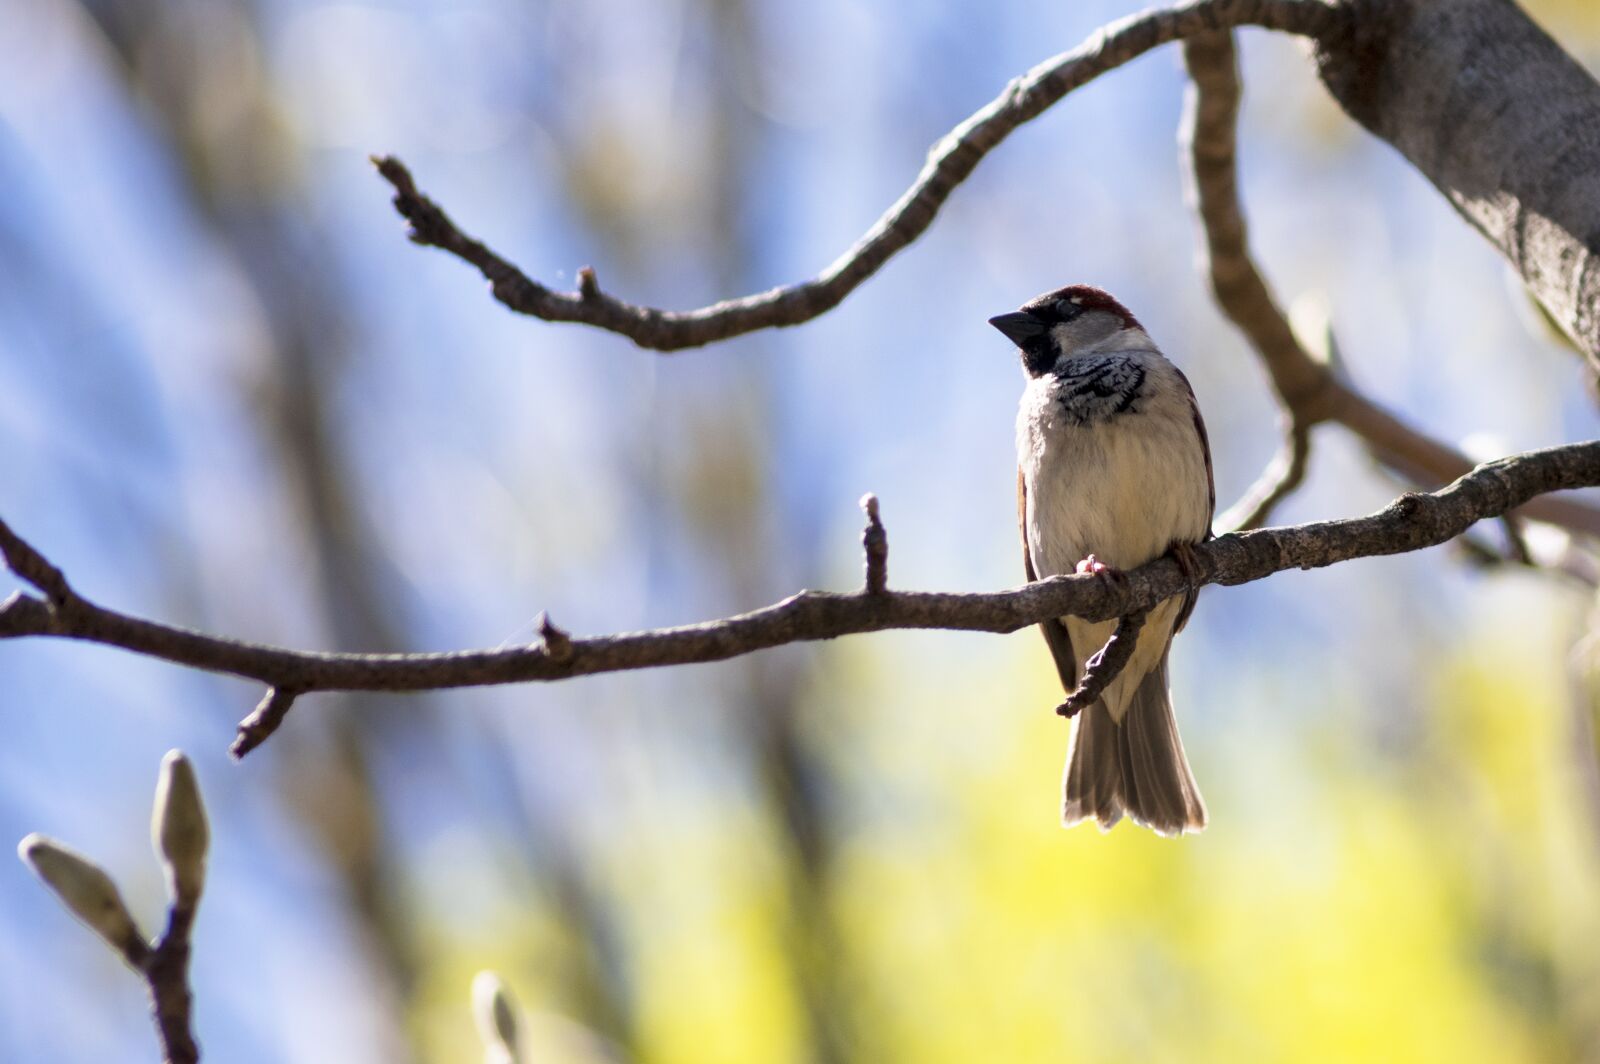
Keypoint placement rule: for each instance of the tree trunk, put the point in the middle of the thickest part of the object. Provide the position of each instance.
(1504, 122)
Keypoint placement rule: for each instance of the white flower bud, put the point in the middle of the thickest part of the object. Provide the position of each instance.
(86, 889)
(179, 830)
(496, 1014)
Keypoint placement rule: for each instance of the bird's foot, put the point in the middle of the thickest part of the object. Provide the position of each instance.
(1093, 566)
(1188, 564)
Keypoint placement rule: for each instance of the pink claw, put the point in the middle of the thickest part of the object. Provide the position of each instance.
(1092, 565)
(1095, 567)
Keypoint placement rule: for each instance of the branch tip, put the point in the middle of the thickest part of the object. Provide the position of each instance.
(588, 283)
(263, 721)
(875, 542)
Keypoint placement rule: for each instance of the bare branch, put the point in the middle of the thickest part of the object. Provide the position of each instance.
(166, 972)
(1276, 483)
(29, 564)
(1210, 127)
(1307, 387)
(1411, 523)
(258, 727)
(1107, 663)
(875, 543)
(950, 162)
(181, 835)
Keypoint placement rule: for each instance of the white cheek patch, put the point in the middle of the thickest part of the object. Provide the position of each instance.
(1061, 336)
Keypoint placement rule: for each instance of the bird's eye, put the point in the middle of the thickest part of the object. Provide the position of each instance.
(1066, 309)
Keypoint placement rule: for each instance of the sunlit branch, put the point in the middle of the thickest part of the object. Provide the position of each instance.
(1307, 388)
(1412, 522)
(949, 163)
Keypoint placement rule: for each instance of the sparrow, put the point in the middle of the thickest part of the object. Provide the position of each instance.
(1113, 470)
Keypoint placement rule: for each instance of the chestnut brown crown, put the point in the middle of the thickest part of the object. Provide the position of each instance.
(1067, 303)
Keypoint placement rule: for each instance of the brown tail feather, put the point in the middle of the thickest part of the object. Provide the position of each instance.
(1135, 768)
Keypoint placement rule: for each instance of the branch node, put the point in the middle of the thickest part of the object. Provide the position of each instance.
(557, 643)
(1107, 663)
(258, 727)
(875, 542)
(1407, 505)
(588, 284)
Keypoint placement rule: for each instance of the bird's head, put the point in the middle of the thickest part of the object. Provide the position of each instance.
(1076, 320)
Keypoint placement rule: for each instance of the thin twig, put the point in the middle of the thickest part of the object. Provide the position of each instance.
(1276, 483)
(1308, 389)
(1107, 663)
(875, 545)
(1412, 522)
(949, 163)
(166, 973)
(1516, 544)
(258, 727)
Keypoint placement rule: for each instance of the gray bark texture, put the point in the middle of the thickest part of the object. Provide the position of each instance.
(1500, 119)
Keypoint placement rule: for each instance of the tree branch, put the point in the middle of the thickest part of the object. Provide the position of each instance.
(950, 162)
(1307, 388)
(1276, 483)
(1411, 523)
(1503, 122)
(166, 972)
(1106, 664)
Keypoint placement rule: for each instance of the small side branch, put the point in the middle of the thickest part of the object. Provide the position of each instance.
(1412, 522)
(258, 727)
(875, 544)
(1276, 483)
(22, 559)
(1106, 665)
(949, 163)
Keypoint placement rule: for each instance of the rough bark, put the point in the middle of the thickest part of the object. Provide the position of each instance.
(1504, 122)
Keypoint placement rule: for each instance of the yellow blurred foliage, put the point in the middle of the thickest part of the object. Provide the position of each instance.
(1429, 894)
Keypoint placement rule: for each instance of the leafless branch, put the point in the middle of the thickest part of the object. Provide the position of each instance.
(1276, 483)
(166, 973)
(1105, 665)
(1308, 389)
(258, 727)
(1412, 522)
(949, 163)
(875, 545)
(181, 835)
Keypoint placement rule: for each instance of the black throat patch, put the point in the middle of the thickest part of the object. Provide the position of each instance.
(1096, 388)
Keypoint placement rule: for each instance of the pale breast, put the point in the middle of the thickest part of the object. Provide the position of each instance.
(1113, 462)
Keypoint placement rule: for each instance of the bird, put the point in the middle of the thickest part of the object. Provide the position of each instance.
(1113, 470)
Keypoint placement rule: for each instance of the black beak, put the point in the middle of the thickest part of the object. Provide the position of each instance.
(1019, 326)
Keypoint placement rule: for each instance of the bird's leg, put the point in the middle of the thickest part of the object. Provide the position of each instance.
(1183, 554)
(1189, 566)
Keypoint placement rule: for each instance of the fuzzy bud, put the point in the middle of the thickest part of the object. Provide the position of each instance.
(492, 1007)
(179, 830)
(86, 889)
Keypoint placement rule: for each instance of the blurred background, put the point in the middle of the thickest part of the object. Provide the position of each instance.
(233, 396)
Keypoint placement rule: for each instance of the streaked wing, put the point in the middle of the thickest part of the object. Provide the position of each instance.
(1211, 492)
